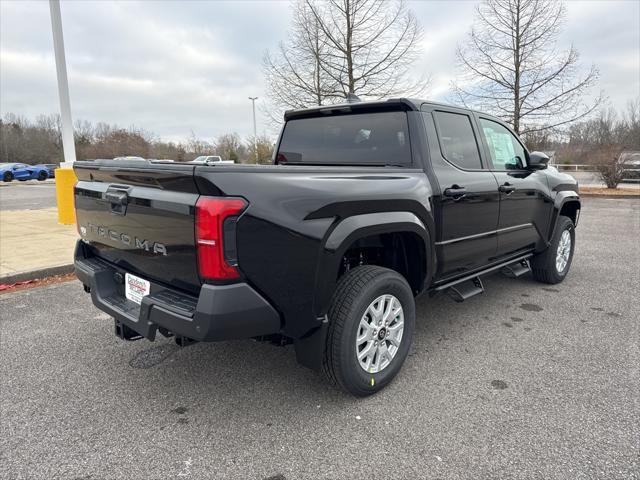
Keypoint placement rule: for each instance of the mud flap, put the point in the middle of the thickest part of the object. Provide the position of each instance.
(310, 348)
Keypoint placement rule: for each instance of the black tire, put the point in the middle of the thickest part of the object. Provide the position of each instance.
(42, 176)
(543, 265)
(7, 177)
(355, 291)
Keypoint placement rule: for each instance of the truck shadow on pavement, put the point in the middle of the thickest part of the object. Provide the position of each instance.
(265, 377)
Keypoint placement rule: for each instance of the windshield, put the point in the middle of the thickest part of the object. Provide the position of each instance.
(380, 138)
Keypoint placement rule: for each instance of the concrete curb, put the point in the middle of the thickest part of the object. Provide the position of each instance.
(34, 274)
(600, 195)
(16, 183)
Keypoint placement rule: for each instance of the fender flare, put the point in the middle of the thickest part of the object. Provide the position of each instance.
(562, 198)
(352, 228)
(309, 348)
(382, 222)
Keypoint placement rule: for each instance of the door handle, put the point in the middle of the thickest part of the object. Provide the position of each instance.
(455, 192)
(506, 188)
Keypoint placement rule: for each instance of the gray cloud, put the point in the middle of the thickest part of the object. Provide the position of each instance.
(173, 67)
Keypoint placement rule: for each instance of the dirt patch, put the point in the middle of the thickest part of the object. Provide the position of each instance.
(38, 282)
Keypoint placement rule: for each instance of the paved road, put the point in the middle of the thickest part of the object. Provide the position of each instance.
(526, 381)
(29, 195)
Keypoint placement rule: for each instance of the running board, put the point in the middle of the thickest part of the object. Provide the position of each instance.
(465, 290)
(472, 276)
(517, 269)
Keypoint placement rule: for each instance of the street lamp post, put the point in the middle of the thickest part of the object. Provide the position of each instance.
(68, 147)
(255, 137)
(65, 176)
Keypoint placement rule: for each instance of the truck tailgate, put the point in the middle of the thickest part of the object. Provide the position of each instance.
(141, 218)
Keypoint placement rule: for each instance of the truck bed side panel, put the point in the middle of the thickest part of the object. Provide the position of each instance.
(292, 210)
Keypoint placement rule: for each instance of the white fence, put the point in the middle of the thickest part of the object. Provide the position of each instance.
(574, 167)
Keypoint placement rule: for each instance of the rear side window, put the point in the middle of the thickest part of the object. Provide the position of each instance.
(380, 138)
(457, 140)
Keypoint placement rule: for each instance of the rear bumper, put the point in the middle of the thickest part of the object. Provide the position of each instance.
(220, 312)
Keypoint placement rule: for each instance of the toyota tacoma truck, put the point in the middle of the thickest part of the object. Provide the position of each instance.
(366, 206)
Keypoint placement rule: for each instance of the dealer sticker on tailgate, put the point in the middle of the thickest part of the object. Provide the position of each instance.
(135, 287)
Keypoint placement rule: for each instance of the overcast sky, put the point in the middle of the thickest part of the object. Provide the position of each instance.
(176, 67)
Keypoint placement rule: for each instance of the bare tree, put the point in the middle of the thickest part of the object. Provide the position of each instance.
(512, 68)
(342, 47)
(229, 147)
(198, 146)
(261, 149)
(294, 74)
(608, 165)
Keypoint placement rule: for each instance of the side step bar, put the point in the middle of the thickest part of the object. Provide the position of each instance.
(466, 287)
(517, 269)
(462, 291)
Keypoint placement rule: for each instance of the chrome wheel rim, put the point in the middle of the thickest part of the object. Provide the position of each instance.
(563, 252)
(379, 333)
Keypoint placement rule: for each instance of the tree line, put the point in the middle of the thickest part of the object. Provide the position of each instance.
(40, 141)
(603, 140)
(510, 65)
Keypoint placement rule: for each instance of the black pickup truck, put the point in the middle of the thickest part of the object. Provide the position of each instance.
(367, 205)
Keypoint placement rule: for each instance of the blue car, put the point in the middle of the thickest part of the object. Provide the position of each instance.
(22, 171)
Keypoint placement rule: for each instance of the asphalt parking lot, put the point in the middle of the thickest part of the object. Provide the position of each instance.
(28, 195)
(526, 381)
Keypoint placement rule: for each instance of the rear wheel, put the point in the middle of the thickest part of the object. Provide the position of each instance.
(371, 324)
(552, 265)
(42, 175)
(7, 177)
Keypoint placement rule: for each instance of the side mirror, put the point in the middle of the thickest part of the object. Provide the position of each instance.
(538, 160)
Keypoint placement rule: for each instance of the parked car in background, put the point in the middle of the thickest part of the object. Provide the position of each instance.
(51, 168)
(630, 162)
(22, 172)
(129, 157)
(209, 159)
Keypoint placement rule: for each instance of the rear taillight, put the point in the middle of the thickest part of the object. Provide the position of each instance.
(214, 235)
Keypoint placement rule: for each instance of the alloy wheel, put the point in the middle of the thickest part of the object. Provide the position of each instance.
(379, 333)
(563, 252)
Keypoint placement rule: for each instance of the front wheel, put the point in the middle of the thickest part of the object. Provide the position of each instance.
(7, 177)
(371, 325)
(552, 265)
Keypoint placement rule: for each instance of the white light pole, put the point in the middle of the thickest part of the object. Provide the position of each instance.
(255, 138)
(68, 146)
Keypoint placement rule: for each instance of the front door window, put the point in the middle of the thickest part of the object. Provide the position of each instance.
(506, 152)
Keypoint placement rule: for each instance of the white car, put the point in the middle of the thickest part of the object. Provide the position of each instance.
(211, 159)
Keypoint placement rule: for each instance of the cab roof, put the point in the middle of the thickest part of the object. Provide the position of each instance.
(392, 104)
